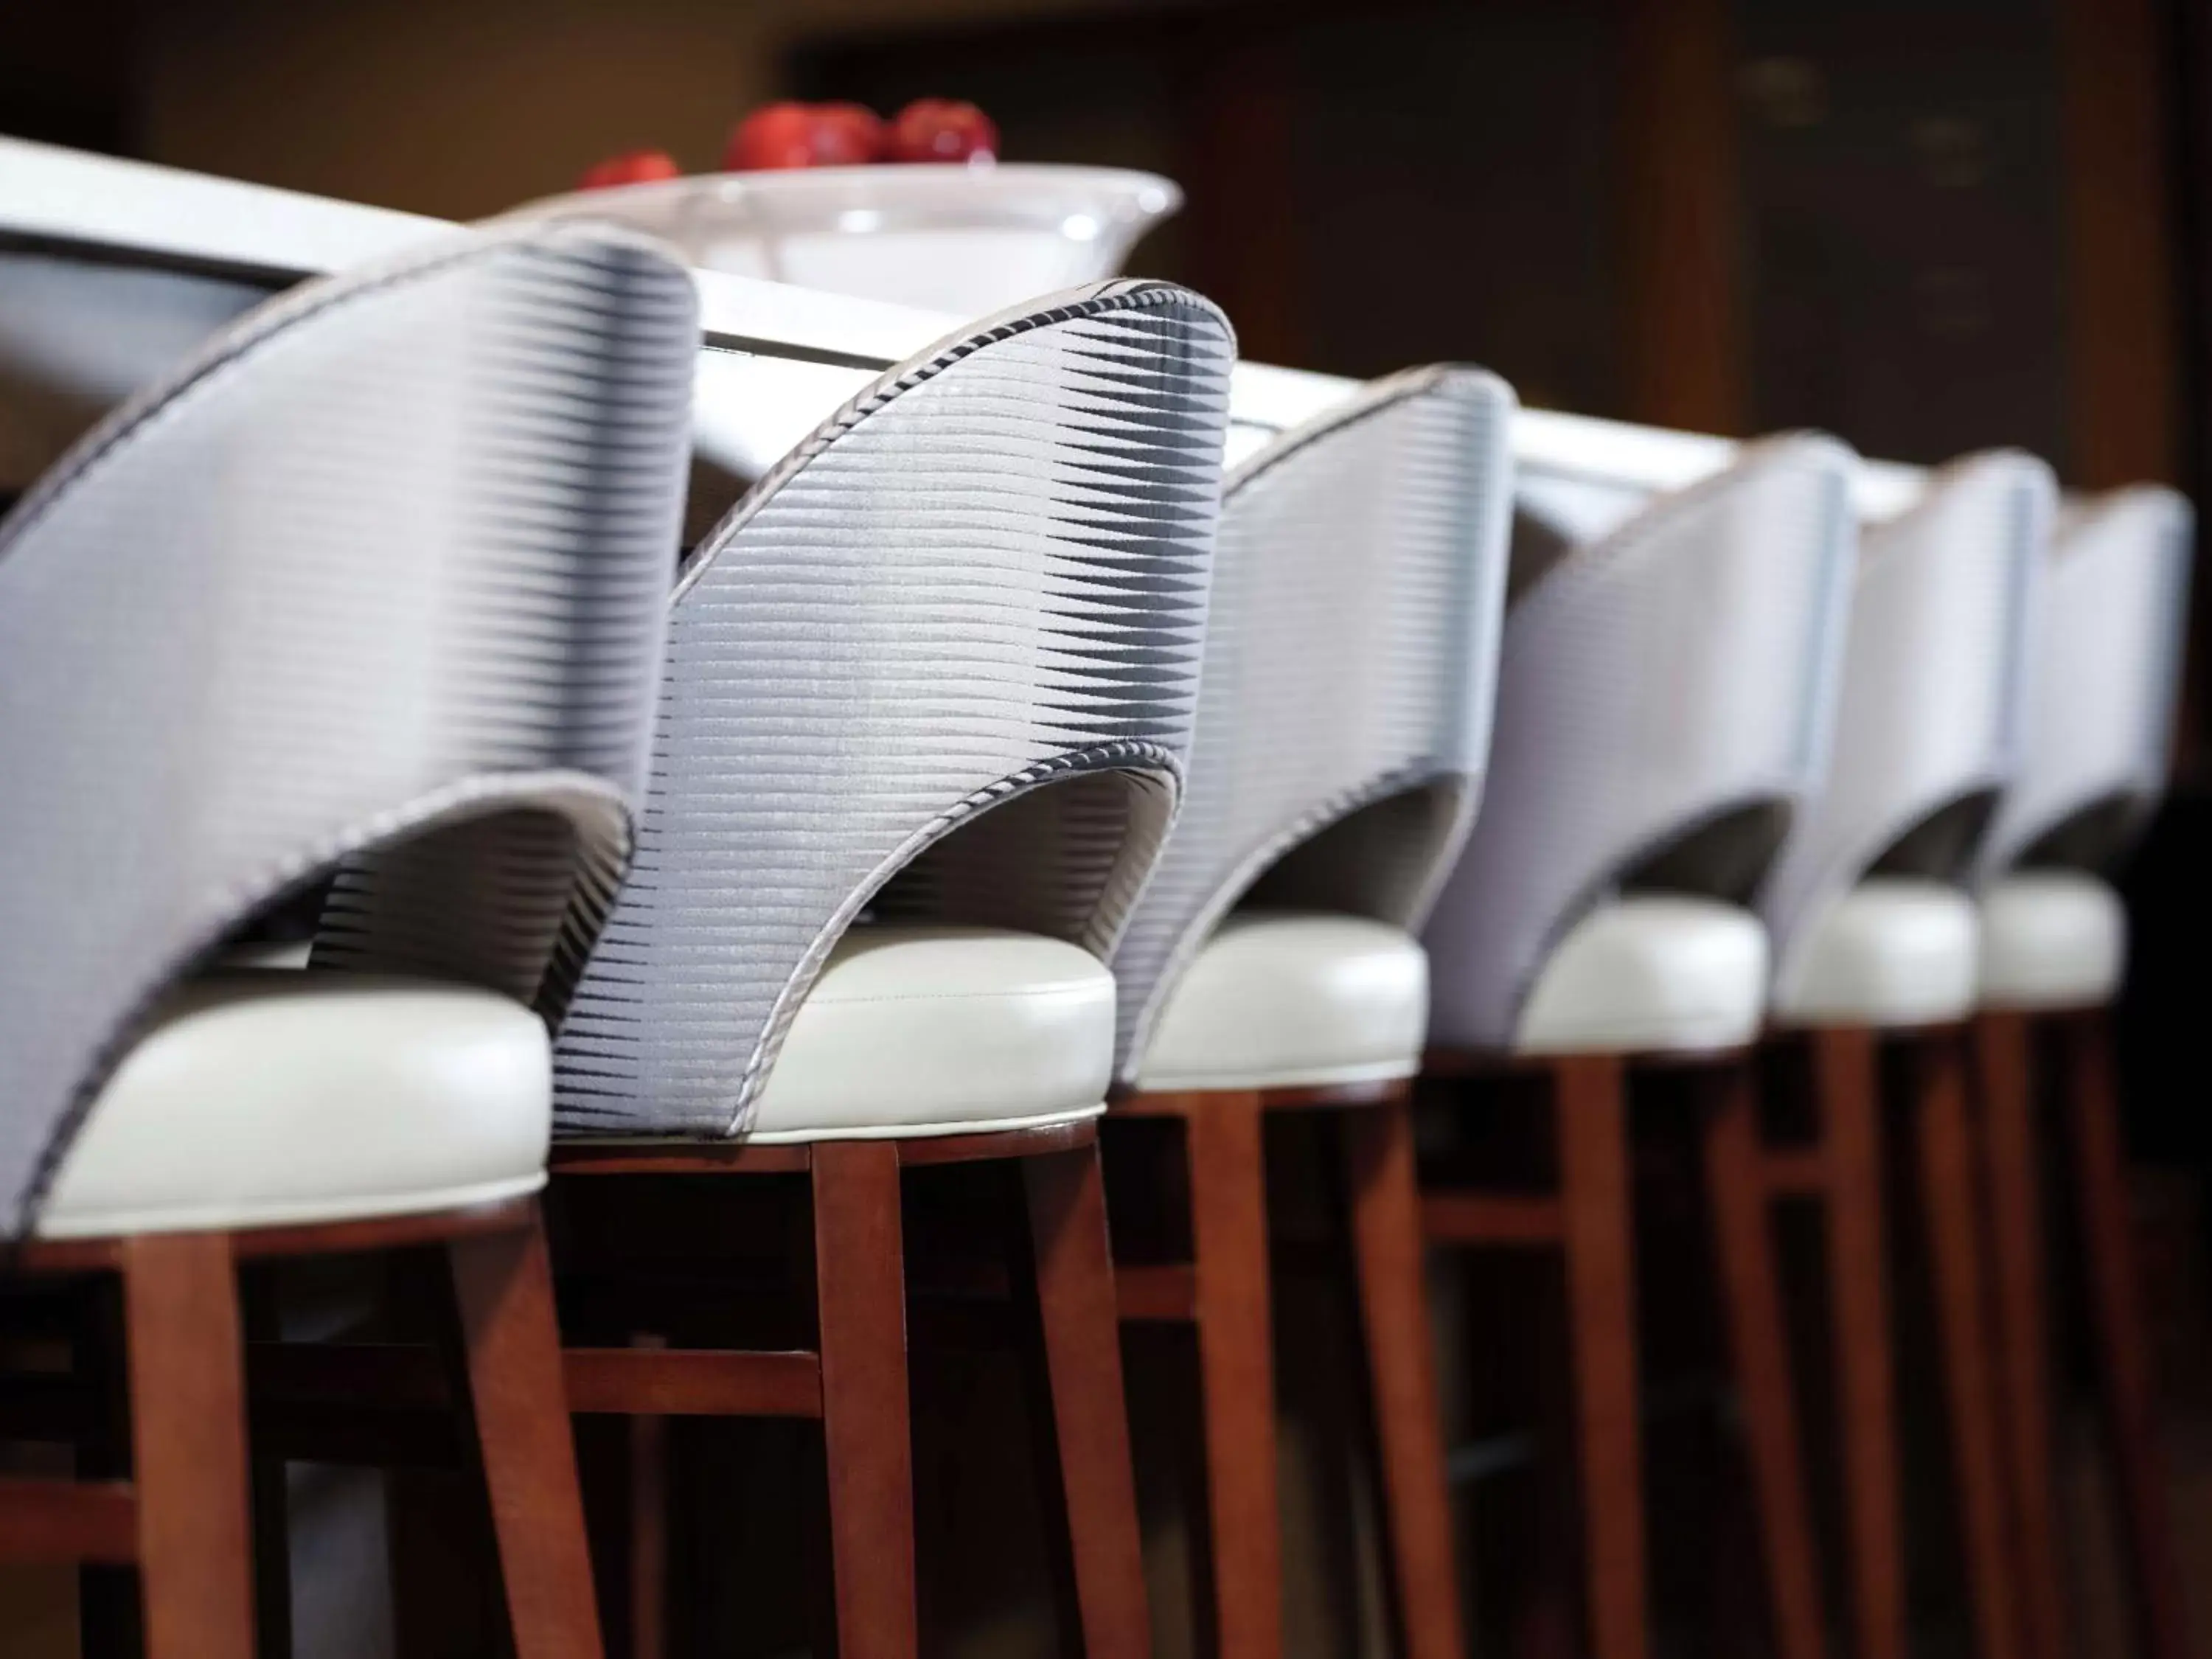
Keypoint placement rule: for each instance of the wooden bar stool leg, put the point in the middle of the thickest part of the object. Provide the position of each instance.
(1386, 1238)
(1589, 1098)
(1948, 1189)
(503, 1291)
(262, 1320)
(1848, 1099)
(861, 1277)
(2124, 1350)
(111, 1616)
(2013, 1167)
(1081, 1328)
(1744, 1254)
(1236, 1367)
(648, 1553)
(188, 1436)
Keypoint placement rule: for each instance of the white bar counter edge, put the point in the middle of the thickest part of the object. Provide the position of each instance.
(142, 212)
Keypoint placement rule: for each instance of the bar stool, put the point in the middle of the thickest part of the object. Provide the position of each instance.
(372, 584)
(2104, 674)
(1874, 942)
(1664, 695)
(929, 692)
(1345, 709)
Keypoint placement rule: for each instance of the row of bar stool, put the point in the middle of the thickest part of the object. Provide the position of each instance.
(370, 588)
(998, 762)
(1996, 714)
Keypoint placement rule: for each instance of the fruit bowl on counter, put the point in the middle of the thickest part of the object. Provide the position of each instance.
(966, 234)
(968, 241)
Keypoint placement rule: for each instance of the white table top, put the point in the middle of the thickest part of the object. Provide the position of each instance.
(778, 358)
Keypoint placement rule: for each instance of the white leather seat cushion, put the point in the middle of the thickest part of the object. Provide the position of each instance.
(2051, 938)
(265, 1098)
(1278, 999)
(1650, 972)
(943, 1031)
(1893, 951)
(291, 953)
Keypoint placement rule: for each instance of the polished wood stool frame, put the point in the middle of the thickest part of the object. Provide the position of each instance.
(185, 1517)
(1225, 1292)
(2006, 1051)
(1841, 1167)
(1590, 1220)
(855, 1382)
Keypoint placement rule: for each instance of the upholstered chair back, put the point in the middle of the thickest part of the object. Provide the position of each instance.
(2104, 675)
(1344, 707)
(937, 666)
(1665, 694)
(374, 584)
(1930, 716)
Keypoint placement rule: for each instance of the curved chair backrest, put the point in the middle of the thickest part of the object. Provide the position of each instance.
(2104, 675)
(1928, 730)
(1664, 693)
(386, 562)
(986, 573)
(1345, 707)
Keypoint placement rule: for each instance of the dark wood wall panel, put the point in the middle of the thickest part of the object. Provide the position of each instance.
(2122, 361)
(1683, 254)
(1905, 222)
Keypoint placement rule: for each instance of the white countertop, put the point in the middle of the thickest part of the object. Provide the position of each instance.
(779, 357)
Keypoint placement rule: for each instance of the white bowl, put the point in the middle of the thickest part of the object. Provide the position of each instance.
(966, 240)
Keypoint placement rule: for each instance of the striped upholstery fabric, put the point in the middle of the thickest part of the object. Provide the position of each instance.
(1664, 696)
(2104, 675)
(987, 575)
(388, 559)
(1929, 726)
(1346, 696)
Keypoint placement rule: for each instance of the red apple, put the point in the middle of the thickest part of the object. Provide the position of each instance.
(789, 135)
(632, 166)
(773, 136)
(943, 130)
(848, 135)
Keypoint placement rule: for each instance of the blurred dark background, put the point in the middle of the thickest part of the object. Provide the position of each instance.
(1928, 225)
